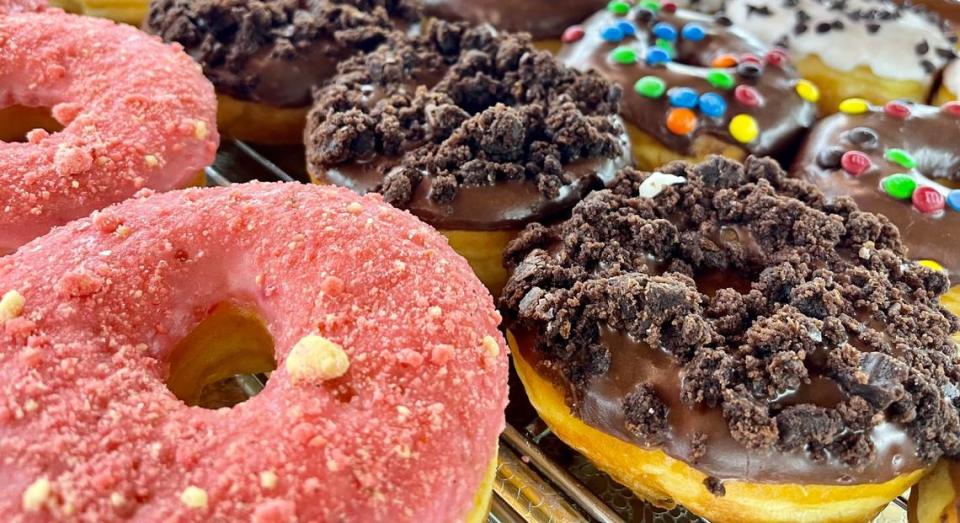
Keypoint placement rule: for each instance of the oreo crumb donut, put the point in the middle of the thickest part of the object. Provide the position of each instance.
(368, 416)
(131, 111)
(474, 131)
(873, 49)
(264, 56)
(723, 337)
(950, 86)
(901, 161)
(127, 11)
(694, 85)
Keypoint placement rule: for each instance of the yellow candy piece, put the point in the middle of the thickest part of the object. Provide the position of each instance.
(930, 264)
(808, 91)
(854, 106)
(744, 128)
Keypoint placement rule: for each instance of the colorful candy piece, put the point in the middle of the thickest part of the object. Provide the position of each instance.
(897, 109)
(712, 105)
(932, 265)
(854, 106)
(683, 97)
(669, 7)
(720, 79)
(681, 121)
(900, 157)
(693, 32)
(744, 128)
(650, 87)
(953, 199)
(618, 7)
(612, 34)
(928, 200)
(572, 34)
(855, 162)
(952, 107)
(652, 5)
(665, 30)
(899, 186)
(724, 61)
(808, 90)
(657, 56)
(627, 28)
(777, 57)
(624, 55)
(747, 95)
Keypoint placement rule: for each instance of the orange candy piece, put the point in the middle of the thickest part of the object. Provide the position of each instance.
(681, 121)
(724, 60)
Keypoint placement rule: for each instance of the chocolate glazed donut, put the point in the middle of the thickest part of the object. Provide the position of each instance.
(693, 85)
(900, 161)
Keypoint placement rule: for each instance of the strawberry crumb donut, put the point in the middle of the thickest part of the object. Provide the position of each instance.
(136, 113)
(385, 405)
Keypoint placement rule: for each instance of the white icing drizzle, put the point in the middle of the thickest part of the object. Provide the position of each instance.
(951, 78)
(891, 51)
(654, 184)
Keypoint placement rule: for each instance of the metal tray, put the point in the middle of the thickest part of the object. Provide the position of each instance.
(539, 479)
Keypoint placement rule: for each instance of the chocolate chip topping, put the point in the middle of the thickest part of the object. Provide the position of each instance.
(424, 120)
(240, 42)
(820, 337)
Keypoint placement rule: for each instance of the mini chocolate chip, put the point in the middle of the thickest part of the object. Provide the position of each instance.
(948, 54)
(873, 28)
(803, 16)
(922, 47)
(829, 158)
(762, 10)
(799, 29)
(783, 41)
(748, 70)
(837, 24)
(790, 3)
(864, 138)
(823, 27)
(723, 20)
(928, 66)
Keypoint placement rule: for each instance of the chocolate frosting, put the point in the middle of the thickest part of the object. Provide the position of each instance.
(467, 129)
(541, 18)
(740, 322)
(781, 115)
(930, 136)
(275, 52)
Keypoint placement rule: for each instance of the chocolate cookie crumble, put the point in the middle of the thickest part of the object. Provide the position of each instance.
(741, 322)
(423, 120)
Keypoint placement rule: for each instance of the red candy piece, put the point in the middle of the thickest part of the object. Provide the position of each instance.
(750, 58)
(952, 108)
(669, 7)
(747, 95)
(572, 34)
(928, 200)
(777, 56)
(855, 162)
(897, 109)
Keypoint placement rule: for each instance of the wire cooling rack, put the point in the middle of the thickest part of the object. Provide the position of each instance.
(539, 479)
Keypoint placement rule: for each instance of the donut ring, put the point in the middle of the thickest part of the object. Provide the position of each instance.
(899, 160)
(880, 50)
(692, 86)
(386, 345)
(136, 114)
(720, 337)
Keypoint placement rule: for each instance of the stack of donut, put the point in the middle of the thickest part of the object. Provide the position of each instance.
(723, 236)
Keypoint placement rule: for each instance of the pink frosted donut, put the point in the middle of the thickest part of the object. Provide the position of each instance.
(21, 6)
(401, 426)
(136, 113)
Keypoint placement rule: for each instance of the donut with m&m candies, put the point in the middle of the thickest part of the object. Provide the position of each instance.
(899, 160)
(693, 85)
(381, 342)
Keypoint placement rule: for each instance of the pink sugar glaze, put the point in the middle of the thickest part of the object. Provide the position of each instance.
(137, 113)
(82, 395)
(22, 6)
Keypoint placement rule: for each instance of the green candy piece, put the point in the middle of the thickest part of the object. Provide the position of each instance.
(650, 87)
(900, 157)
(721, 79)
(900, 186)
(618, 7)
(652, 5)
(624, 55)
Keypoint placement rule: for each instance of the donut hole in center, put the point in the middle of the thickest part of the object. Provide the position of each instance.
(225, 360)
(18, 120)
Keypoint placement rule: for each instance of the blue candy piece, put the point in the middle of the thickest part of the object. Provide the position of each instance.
(953, 199)
(682, 97)
(712, 105)
(665, 30)
(612, 34)
(693, 32)
(655, 56)
(627, 28)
